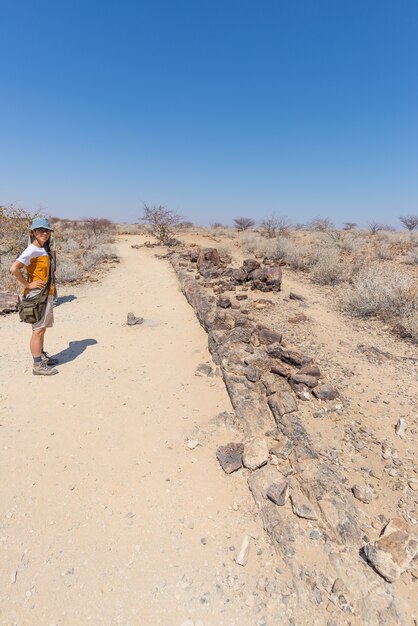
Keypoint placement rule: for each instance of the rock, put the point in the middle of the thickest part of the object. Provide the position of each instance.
(224, 302)
(325, 392)
(280, 403)
(278, 492)
(267, 278)
(282, 449)
(241, 296)
(249, 265)
(268, 336)
(252, 374)
(292, 357)
(310, 370)
(413, 484)
(192, 444)
(280, 370)
(8, 303)
(296, 296)
(131, 320)
(204, 369)
(392, 553)
(256, 453)
(208, 257)
(305, 379)
(301, 391)
(301, 505)
(364, 493)
(242, 556)
(298, 319)
(230, 457)
(401, 426)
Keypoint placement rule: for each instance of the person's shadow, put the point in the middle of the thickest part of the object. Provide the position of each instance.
(75, 348)
(64, 299)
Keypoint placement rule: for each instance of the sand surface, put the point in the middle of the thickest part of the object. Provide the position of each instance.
(106, 516)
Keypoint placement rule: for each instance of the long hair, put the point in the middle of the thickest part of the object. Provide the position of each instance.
(46, 245)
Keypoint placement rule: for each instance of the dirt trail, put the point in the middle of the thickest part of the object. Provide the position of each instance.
(106, 516)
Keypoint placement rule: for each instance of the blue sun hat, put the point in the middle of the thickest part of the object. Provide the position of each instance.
(40, 222)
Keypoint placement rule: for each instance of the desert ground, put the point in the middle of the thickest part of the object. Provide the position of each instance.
(114, 507)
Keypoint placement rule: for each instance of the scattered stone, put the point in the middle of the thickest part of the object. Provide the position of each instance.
(204, 369)
(230, 457)
(301, 506)
(296, 296)
(252, 374)
(13, 577)
(364, 493)
(310, 370)
(305, 379)
(314, 534)
(250, 265)
(192, 444)
(242, 556)
(299, 318)
(8, 303)
(132, 320)
(280, 370)
(256, 453)
(278, 492)
(224, 302)
(413, 484)
(301, 391)
(325, 392)
(282, 449)
(401, 426)
(268, 336)
(280, 403)
(392, 553)
(292, 357)
(241, 296)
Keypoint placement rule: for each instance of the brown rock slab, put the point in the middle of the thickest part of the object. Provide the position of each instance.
(268, 336)
(393, 552)
(256, 453)
(301, 505)
(132, 320)
(325, 392)
(230, 457)
(296, 296)
(280, 370)
(305, 379)
(8, 303)
(250, 265)
(282, 402)
(302, 391)
(364, 493)
(310, 370)
(278, 492)
(224, 302)
(252, 374)
(292, 357)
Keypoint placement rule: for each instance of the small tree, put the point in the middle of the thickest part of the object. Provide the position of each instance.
(243, 223)
(374, 227)
(160, 222)
(275, 225)
(98, 225)
(409, 221)
(14, 228)
(349, 226)
(321, 223)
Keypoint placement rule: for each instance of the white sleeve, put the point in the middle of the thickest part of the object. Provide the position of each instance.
(26, 256)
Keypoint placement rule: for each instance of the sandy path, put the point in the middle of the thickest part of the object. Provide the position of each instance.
(106, 516)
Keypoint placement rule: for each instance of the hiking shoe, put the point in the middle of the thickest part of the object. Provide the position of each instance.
(42, 369)
(50, 361)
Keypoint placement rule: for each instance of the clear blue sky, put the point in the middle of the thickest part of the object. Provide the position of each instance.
(216, 109)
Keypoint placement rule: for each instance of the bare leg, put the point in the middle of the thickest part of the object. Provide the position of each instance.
(37, 342)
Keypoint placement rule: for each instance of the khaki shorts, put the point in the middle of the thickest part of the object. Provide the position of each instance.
(47, 320)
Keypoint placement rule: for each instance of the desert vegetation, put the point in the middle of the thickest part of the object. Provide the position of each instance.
(81, 245)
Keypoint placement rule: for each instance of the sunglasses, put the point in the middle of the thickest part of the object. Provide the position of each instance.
(41, 230)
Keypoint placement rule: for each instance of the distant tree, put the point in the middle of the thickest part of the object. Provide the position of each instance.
(409, 221)
(216, 225)
(374, 227)
(98, 225)
(274, 225)
(298, 226)
(387, 228)
(243, 223)
(321, 223)
(160, 222)
(185, 225)
(349, 226)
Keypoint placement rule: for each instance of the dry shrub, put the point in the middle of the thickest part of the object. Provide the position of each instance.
(412, 257)
(384, 252)
(381, 291)
(255, 244)
(328, 267)
(68, 270)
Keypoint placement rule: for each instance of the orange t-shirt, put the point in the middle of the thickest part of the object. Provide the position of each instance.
(37, 262)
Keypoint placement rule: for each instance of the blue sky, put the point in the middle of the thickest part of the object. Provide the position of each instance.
(214, 109)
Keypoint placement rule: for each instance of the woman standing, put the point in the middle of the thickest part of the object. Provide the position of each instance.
(36, 260)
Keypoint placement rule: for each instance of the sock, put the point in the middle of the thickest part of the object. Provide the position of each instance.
(37, 359)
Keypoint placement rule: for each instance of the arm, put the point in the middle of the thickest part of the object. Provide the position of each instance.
(16, 271)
